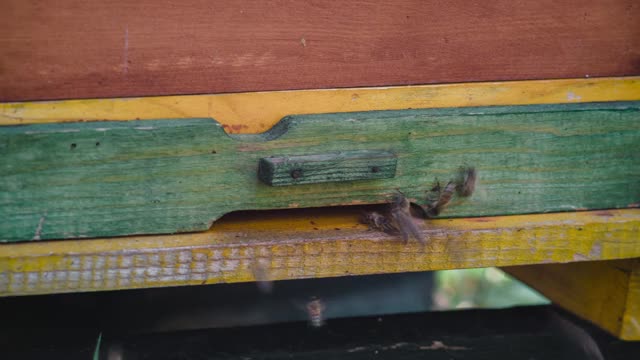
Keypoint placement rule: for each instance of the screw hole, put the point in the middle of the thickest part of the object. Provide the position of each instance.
(375, 169)
(98, 143)
(214, 152)
(296, 173)
(73, 146)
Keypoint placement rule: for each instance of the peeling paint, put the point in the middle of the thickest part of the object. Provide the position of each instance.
(571, 96)
(596, 251)
(39, 228)
(635, 323)
(580, 257)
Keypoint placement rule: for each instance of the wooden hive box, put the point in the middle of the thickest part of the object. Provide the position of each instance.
(128, 130)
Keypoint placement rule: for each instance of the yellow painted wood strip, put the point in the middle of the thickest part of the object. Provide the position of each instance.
(631, 318)
(259, 111)
(312, 243)
(596, 291)
(606, 293)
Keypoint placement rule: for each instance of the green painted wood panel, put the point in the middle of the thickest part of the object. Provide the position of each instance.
(91, 179)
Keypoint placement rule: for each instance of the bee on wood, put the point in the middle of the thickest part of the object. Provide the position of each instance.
(403, 220)
(468, 178)
(397, 221)
(315, 310)
(377, 221)
(463, 185)
(444, 198)
(260, 271)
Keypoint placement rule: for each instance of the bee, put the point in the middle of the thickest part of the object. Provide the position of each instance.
(315, 309)
(403, 220)
(260, 271)
(397, 221)
(444, 198)
(468, 178)
(377, 221)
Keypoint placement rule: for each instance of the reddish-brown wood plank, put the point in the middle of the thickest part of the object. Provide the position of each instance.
(91, 48)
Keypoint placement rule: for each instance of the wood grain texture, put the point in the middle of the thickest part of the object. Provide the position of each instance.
(329, 167)
(146, 177)
(89, 49)
(256, 112)
(604, 292)
(312, 243)
(631, 317)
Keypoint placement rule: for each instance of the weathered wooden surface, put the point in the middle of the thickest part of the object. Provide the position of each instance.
(89, 49)
(256, 112)
(604, 292)
(93, 179)
(312, 243)
(593, 290)
(631, 318)
(329, 167)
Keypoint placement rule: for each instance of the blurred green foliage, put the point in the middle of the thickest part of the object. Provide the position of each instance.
(481, 288)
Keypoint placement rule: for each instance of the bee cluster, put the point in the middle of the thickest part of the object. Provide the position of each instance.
(399, 220)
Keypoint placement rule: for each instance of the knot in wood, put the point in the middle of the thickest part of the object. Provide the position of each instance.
(296, 173)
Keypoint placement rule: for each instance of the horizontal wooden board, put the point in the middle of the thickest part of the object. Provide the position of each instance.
(91, 179)
(312, 243)
(256, 112)
(91, 48)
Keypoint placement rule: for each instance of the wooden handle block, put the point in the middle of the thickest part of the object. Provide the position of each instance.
(339, 166)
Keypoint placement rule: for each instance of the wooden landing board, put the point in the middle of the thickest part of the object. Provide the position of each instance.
(78, 180)
(256, 112)
(606, 293)
(95, 49)
(312, 243)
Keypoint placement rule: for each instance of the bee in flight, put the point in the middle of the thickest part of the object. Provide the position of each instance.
(464, 186)
(260, 271)
(443, 199)
(315, 310)
(468, 179)
(403, 220)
